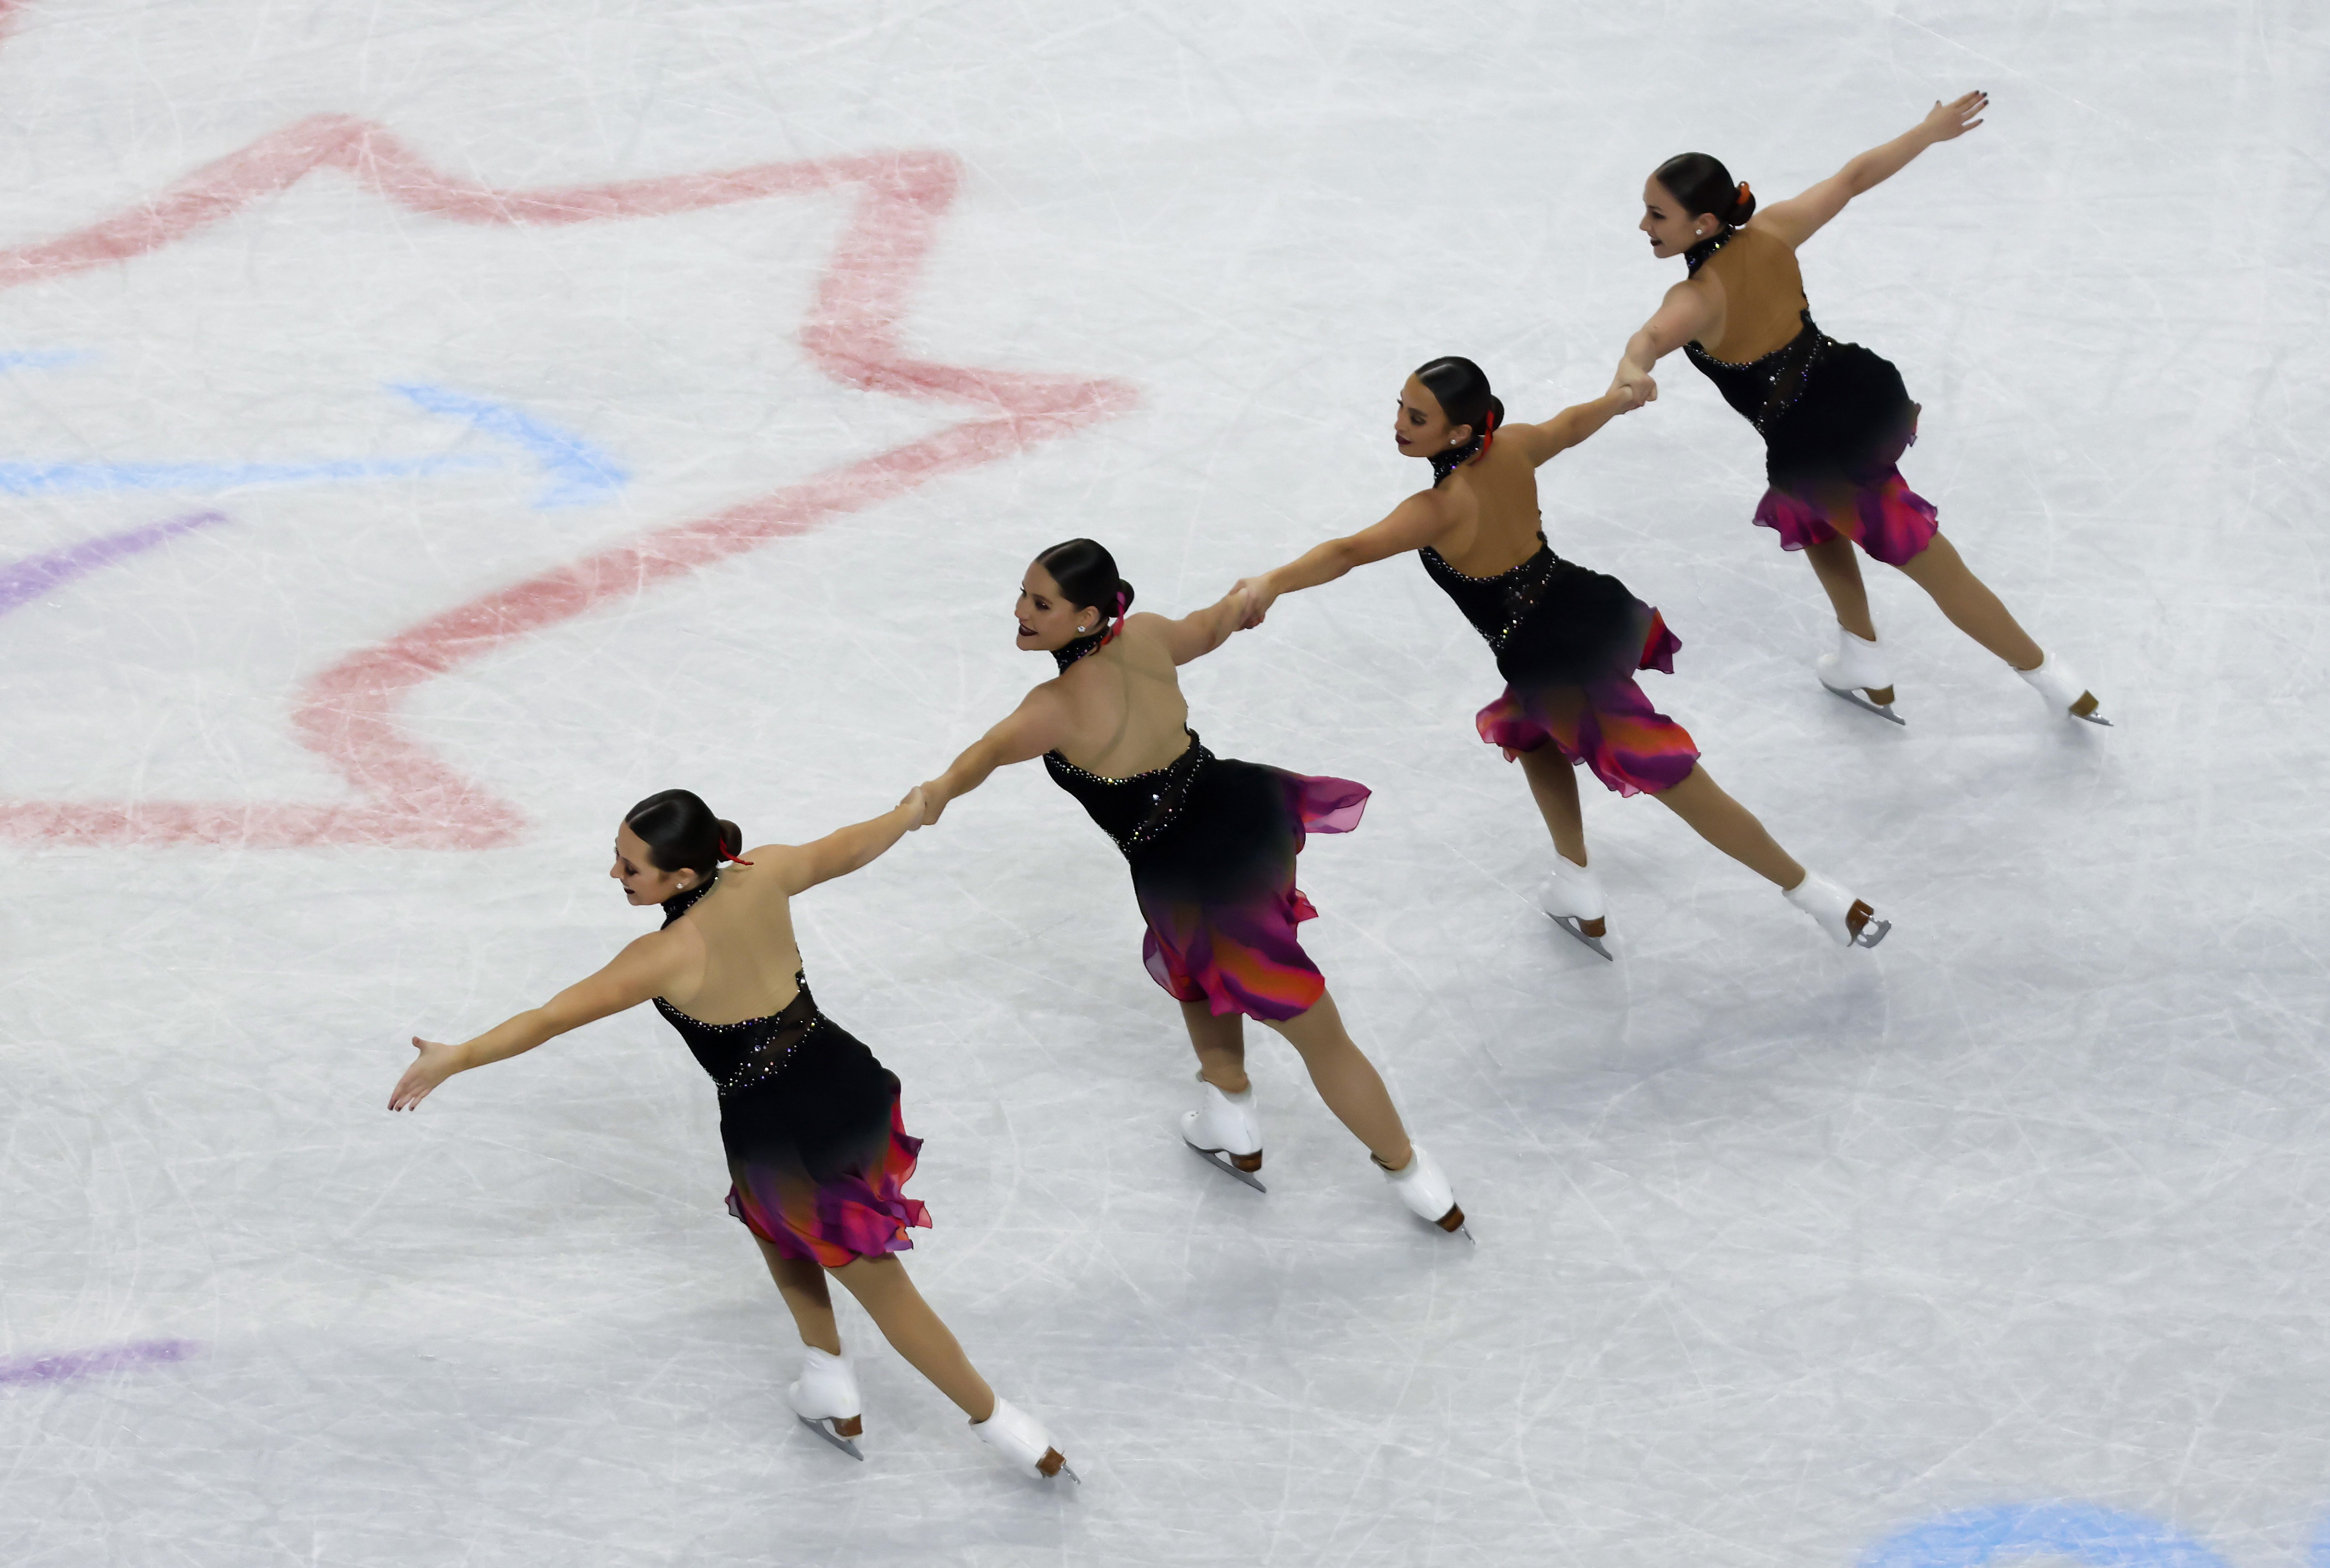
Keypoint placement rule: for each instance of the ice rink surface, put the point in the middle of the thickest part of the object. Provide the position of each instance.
(430, 428)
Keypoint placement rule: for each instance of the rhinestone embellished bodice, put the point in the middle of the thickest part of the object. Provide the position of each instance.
(1134, 810)
(1763, 389)
(753, 1051)
(1496, 605)
(1761, 281)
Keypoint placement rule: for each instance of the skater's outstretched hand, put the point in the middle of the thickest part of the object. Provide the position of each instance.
(917, 804)
(435, 1064)
(1949, 121)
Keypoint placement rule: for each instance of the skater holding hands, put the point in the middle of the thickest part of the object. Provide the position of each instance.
(1834, 417)
(817, 1153)
(1211, 844)
(1566, 640)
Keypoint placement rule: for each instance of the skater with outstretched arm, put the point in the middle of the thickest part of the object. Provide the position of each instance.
(1210, 842)
(1834, 417)
(1566, 640)
(817, 1153)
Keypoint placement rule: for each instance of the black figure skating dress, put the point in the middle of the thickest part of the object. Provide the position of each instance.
(817, 1153)
(1567, 642)
(1834, 417)
(1211, 843)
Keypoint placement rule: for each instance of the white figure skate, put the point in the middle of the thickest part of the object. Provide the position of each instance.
(1572, 898)
(1424, 1189)
(1857, 672)
(1850, 920)
(2064, 692)
(825, 1398)
(1225, 1133)
(1021, 1439)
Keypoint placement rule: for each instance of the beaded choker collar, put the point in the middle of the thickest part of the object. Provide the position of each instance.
(1444, 464)
(1067, 653)
(679, 904)
(1696, 257)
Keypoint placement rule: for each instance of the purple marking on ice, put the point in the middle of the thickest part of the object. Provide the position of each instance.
(21, 582)
(69, 1365)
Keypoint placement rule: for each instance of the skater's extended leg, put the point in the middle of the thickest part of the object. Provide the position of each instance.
(913, 1330)
(1731, 827)
(1838, 567)
(1220, 1043)
(1971, 606)
(803, 1284)
(1553, 781)
(1347, 1081)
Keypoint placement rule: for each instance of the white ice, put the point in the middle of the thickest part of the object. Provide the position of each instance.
(1785, 1253)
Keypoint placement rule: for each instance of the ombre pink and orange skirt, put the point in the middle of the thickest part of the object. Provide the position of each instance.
(1218, 888)
(1607, 725)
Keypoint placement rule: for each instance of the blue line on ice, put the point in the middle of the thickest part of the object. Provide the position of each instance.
(578, 472)
(2097, 1537)
(41, 358)
(53, 479)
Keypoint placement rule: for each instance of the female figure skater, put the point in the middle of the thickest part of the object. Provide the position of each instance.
(1567, 642)
(1211, 844)
(1834, 417)
(817, 1150)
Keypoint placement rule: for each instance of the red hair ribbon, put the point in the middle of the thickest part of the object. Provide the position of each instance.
(1121, 606)
(1488, 430)
(732, 860)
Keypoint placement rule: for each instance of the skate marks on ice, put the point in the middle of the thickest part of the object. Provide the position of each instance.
(68, 1367)
(25, 581)
(348, 714)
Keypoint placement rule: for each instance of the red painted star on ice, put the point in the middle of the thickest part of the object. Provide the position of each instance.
(348, 714)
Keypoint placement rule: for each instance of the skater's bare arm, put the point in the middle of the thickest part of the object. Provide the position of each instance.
(1543, 442)
(1416, 522)
(1800, 217)
(1688, 311)
(1038, 724)
(647, 967)
(1199, 632)
(801, 867)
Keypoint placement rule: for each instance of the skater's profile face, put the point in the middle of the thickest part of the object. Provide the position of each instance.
(635, 868)
(1420, 428)
(1672, 230)
(1047, 621)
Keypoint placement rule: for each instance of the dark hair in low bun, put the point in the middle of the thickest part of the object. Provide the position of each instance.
(682, 834)
(1702, 184)
(1462, 388)
(1087, 573)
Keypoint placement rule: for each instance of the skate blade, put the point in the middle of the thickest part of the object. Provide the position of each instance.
(1854, 697)
(1870, 934)
(2096, 718)
(1576, 928)
(1221, 1161)
(821, 1430)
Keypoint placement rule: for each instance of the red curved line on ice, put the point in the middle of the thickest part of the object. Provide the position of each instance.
(348, 713)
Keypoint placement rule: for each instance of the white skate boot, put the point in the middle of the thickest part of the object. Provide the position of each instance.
(1021, 1439)
(2063, 690)
(825, 1398)
(1851, 921)
(1573, 897)
(1421, 1186)
(1225, 1133)
(1857, 672)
